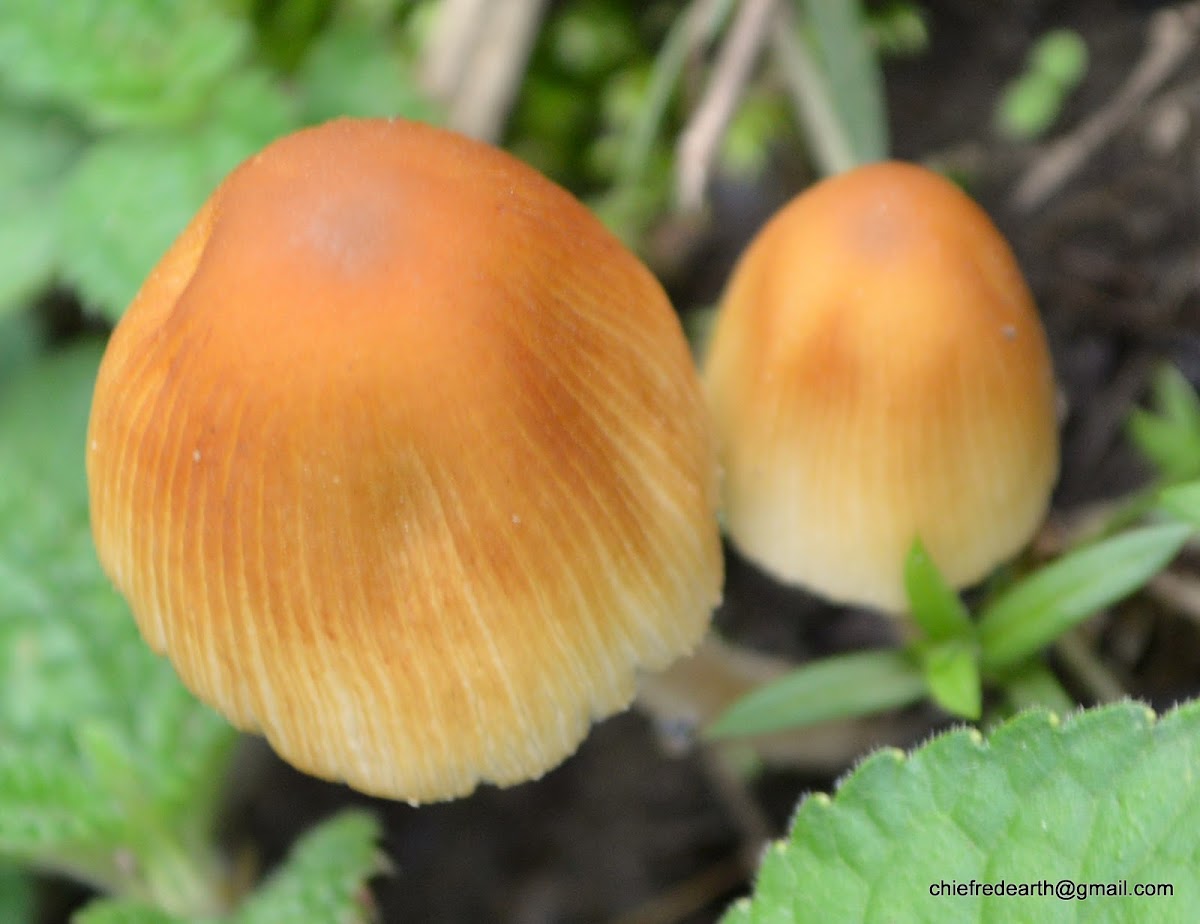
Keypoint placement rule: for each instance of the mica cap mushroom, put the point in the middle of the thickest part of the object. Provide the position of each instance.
(878, 372)
(401, 458)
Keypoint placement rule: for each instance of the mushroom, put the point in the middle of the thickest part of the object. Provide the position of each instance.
(401, 458)
(878, 372)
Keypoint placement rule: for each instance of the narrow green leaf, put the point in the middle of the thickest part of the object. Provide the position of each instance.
(842, 41)
(1103, 797)
(324, 878)
(1172, 448)
(1176, 398)
(1183, 501)
(1039, 608)
(952, 672)
(1169, 436)
(845, 685)
(933, 604)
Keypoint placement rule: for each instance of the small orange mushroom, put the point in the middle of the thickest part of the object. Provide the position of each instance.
(401, 458)
(877, 372)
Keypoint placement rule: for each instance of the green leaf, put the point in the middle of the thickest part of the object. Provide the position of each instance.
(1107, 796)
(36, 151)
(952, 673)
(845, 685)
(1028, 107)
(933, 604)
(855, 82)
(123, 911)
(355, 69)
(1170, 436)
(50, 814)
(134, 63)
(1038, 609)
(16, 895)
(324, 878)
(1183, 501)
(1062, 55)
(132, 194)
(108, 768)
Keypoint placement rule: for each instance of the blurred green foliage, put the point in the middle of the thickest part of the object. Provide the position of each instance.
(1033, 101)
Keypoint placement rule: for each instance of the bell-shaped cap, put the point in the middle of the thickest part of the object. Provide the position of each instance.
(878, 372)
(402, 460)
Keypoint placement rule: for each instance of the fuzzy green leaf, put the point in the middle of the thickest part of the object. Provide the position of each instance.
(102, 753)
(1038, 609)
(1107, 796)
(854, 684)
(134, 63)
(324, 878)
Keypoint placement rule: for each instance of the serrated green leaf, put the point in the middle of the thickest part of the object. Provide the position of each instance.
(134, 63)
(323, 878)
(1038, 609)
(933, 604)
(854, 80)
(1108, 796)
(832, 688)
(50, 814)
(952, 673)
(96, 734)
(355, 69)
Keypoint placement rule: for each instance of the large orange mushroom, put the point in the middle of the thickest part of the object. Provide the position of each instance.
(401, 458)
(878, 372)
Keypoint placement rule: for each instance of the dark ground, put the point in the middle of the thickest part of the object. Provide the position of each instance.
(628, 827)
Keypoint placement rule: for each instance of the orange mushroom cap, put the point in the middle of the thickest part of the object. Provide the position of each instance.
(401, 458)
(878, 372)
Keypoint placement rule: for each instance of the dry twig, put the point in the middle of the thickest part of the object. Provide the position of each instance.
(1173, 32)
(476, 58)
(697, 147)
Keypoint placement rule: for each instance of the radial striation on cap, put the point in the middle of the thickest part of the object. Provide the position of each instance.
(877, 372)
(401, 458)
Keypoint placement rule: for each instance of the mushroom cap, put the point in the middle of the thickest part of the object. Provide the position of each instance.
(877, 372)
(401, 458)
